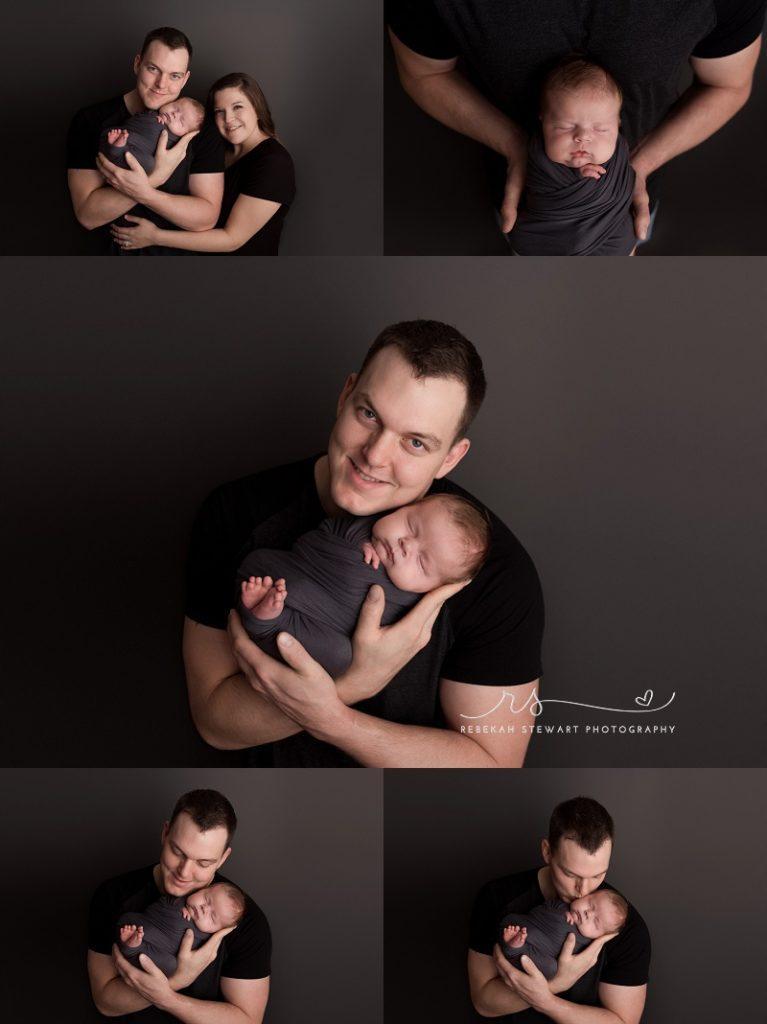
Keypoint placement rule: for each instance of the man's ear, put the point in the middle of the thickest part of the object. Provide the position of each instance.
(546, 851)
(136, 63)
(165, 831)
(453, 457)
(225, 855)
(347, 389)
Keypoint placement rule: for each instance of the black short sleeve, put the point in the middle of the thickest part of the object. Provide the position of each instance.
(207, 151)
(417, 24)
(249, 947)
(219, 530)
(627, 957)
(738, 23)
(86, 127)
(498, 619)
(268, 173)
(105, 908)
(491, 902)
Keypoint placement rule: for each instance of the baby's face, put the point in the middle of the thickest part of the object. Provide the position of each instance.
(595, 915)
(211, 909)
(180, 116)
(580, 126)
(420, 546)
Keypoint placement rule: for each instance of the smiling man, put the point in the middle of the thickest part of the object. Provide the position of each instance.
(606, 983)
(186, 185)
(230, 970)
(412, 687)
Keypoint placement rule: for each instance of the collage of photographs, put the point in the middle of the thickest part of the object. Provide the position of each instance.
(388, 502)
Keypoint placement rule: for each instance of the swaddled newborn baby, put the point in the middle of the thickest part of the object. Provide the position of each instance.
(140, 133)
(577, 199)
(315, 591)
(541, 933)
(158, 930)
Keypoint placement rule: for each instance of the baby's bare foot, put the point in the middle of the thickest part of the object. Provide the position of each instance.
(254, 589)
(273, 601)
(514, 936)
(131, 935)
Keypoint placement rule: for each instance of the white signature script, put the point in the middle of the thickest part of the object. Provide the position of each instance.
(535, 705)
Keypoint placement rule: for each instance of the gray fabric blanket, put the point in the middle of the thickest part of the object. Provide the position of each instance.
(164, 926)
(547, 929)
(144, 131)
(565, 214)
(327, 581)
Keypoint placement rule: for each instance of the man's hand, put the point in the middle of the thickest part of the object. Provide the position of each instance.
(167, 160)
(300, 689)
(593, 171)
(516, 172)
(640, 206)
(379, 652)
(192, 962)
(571, 967)
(150, 983)
(132, 183)
(529, 984)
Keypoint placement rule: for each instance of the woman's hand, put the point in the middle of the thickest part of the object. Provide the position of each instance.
(145, 233)
(167, 160)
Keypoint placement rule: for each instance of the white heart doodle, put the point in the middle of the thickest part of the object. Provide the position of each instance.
(643, 702)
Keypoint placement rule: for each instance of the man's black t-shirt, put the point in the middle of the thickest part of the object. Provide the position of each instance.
(645, 44)
(266, 172)
(244, 953)
(624, 960)
(205, 155)
(488, 634)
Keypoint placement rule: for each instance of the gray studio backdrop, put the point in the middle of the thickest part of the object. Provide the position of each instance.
(687, 855)
(318, 64)
(308, 849)
(438, 200)
(622, 440)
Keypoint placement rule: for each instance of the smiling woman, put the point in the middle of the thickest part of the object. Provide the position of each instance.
(259, 180)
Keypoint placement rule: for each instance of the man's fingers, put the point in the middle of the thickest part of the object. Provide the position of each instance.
(431, 603)
(294, 653)
(186, 942)
(221, 934)
(515, 183)
(569, 944)
(150, 966)
(132, 162)
(641, 208)
(530, 967)
(369, 619)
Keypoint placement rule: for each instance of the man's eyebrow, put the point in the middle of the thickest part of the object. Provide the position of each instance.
(186, 856)
(435, 441)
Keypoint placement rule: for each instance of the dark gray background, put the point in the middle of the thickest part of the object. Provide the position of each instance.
(308, 849)
(437, 198)
(318, 64)
(688, 855)
(622, 440)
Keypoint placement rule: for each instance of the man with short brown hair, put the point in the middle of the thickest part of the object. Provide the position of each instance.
(194, 845)
(435, 688)
(184, 189)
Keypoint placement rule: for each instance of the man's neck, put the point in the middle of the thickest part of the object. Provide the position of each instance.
(133, 102)
(322, 483)
(545, 883)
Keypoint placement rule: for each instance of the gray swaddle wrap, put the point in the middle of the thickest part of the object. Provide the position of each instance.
(565, 214)
(164, 926)
(327, 581)
(547, 929)
(144, 131)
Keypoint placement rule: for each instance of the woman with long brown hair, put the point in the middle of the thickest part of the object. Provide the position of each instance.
(259, 181)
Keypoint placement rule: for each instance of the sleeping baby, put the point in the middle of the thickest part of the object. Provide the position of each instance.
(158, 930)
(140, 133)
(541, 933)
(315, 590)
(577, 199)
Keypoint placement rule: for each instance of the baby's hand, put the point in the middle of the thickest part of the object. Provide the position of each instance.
(369, 554)
(185, 914)
(593, 171)
(570, 918)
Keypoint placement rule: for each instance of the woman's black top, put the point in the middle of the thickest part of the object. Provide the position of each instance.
(266, 172)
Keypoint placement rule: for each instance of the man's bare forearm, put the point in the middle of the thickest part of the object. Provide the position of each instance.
(102, 206)
(191, 213)
(116, 998)
(376, 743)
(496, 999)
(563, 1012)
(700, 112)
(204, 1011)
(451, 99)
